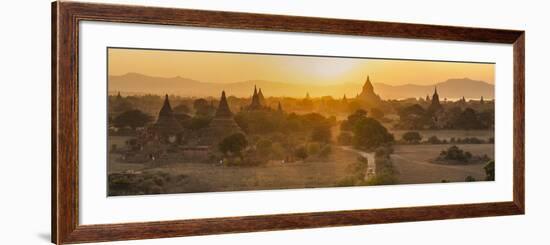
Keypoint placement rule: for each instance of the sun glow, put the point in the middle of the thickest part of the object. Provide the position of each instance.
(216, 67)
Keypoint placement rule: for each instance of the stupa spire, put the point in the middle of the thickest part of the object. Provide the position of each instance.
(367, 87)
(436, 105)
(368, 95)
(223, 108)
(166, 109)
(261, 96)
(256, 103)
(166, 122)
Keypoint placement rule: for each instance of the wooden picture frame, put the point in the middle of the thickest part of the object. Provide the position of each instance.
(65, 120)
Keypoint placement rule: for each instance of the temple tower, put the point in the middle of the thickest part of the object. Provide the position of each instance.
(368, 95)
(279, 107)
(435, 105)
(261, 98)
(256, 103)
(223, 124)
(166, 125)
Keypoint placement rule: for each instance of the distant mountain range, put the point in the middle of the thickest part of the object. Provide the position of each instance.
(135, 83)
(451, 89)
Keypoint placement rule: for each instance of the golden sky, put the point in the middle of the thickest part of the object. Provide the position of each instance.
(233, 67)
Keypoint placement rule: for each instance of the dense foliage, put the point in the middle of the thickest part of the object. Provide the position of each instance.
(233, 144)
(132, 119)
(412, 137)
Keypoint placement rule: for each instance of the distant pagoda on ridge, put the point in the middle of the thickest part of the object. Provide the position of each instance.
(255, 104)
(368, 95)
(258, 100)
(435, 104)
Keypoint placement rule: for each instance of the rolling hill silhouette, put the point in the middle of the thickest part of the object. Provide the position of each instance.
(135, 83)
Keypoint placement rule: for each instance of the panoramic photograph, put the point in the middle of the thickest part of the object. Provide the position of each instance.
(203, 121)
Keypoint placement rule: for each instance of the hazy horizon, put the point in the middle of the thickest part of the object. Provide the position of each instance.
(139, 84)
(227, 68)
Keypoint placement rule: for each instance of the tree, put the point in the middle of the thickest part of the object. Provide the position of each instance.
(321, 133)
(132, 119)
(183, 119)
(202, 108)
(313, 148)
(119, 104)
(470, 178)
(456, 154)
(352, 119)
(325, 151)
(233, 144)
(198, 122)
(345, 138)
(368, 133)
(264, 147)
(490, 170)
(414, 117)
(487, 118)
(468, 119)
(412, 137)
(181, 109)
(434, 140)
(301, 152)
(376, 113)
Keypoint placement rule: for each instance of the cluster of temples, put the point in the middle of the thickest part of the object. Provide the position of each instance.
(167, 134)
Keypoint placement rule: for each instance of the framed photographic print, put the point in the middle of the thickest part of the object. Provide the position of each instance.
(175, 122)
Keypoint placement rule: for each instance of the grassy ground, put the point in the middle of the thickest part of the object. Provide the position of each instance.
(414, 163)
(201, 177)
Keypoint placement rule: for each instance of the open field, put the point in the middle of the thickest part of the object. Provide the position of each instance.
(203, 177)
(414, 163)
(447, 134)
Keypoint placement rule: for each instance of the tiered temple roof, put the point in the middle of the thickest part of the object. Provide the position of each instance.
(166, 122)
(261, 98)
(223, 124)
(368, 95)
(435, 105)
(256, 101)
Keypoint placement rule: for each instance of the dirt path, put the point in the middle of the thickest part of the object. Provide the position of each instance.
(371, 168)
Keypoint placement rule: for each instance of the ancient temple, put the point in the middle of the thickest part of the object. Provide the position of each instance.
(223, 124)
(367, 94)
(119, 104)
(435, 105)
(261, 98)
(279, 108)
(256, 103)
(166, 126)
